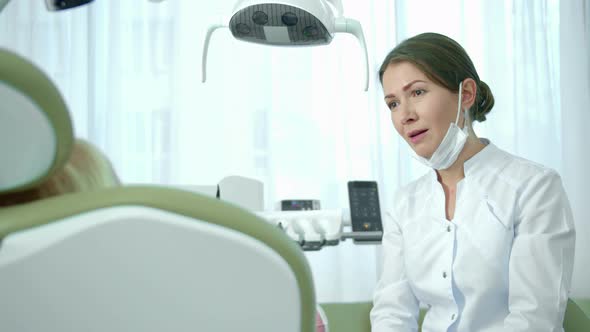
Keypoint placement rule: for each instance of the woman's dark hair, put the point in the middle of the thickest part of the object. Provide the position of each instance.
(446, 63)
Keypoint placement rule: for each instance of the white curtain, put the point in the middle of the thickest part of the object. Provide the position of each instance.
(297, 119)
(575, 100)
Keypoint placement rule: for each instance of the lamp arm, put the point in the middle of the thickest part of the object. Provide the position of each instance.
(210, 30)
(353, 27)
(337, 4)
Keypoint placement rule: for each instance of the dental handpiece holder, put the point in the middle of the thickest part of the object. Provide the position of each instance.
(288, 23)
(315, 229)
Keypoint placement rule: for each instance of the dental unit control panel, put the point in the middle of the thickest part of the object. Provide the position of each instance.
(365, 212)
(300, 204)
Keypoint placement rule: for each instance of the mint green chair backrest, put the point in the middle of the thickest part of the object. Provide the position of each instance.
(148, 259)
(139, 258)
(35, 128)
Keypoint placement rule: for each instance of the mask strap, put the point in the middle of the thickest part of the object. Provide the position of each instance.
(467, 120)
(459, 103)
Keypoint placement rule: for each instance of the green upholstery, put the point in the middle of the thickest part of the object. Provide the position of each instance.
(348, 317)
(584, 304)
(576, 320)
(354, 317)
(25, 77)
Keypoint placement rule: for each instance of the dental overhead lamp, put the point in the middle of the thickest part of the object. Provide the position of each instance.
(55, 5)
(288, 23)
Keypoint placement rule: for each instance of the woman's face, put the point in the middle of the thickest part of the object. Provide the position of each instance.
(421, 111)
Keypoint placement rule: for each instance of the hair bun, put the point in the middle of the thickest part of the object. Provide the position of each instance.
(483, 102)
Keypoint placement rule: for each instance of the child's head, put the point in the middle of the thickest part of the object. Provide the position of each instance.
(87, 169)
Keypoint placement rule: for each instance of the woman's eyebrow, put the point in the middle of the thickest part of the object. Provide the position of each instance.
(404, 88)
(408, 85)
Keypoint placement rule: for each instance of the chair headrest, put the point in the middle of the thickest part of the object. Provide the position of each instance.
(36, 134)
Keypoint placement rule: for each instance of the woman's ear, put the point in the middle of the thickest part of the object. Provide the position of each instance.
(469, 93)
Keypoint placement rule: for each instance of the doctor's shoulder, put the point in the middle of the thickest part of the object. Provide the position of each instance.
(526, 172)
(529, 185)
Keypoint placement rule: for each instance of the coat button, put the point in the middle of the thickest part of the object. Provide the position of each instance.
(444, 274)
(448, 228)
(452, 316)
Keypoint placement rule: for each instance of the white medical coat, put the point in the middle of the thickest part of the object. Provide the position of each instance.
(504, 263)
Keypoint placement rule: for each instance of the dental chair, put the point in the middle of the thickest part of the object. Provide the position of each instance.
(136, 258)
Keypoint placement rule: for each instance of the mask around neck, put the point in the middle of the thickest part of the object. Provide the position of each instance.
(451, 145)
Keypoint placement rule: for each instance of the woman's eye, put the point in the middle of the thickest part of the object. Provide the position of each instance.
(419, 92)
(392, 105)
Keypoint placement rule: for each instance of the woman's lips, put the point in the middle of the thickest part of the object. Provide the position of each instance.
(418, 137)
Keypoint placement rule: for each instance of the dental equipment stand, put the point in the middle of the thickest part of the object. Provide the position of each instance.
(312, 229)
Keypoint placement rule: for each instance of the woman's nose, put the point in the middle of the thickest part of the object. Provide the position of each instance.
(407, 113)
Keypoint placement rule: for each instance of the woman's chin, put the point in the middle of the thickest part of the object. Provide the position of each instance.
(421, 153)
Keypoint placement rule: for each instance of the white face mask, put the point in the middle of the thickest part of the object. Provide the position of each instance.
(452, 144)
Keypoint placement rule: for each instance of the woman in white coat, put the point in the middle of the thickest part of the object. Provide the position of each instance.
(485, 241)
